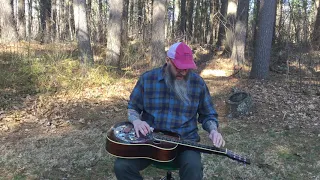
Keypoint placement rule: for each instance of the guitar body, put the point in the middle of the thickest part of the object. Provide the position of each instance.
(122, 142)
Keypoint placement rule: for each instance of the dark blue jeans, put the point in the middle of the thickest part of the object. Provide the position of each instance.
(188, 161)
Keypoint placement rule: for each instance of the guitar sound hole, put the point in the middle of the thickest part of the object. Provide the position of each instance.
(156, 142)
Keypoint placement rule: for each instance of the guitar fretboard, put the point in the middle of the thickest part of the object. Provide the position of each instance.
(189, 143)
(204, 148)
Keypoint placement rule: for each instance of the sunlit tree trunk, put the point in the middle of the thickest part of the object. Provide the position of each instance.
(100, 33)
(223, 22)
(132, 21)
(305, 23)
(212, 25)
(262, 51)
(114, 33)
(205, 15)
(158, 33)
(279, 23)
(177, 15)
(58, 24)
(239, 44)
(70, 25)
(124, 31)
(316, 31)
(231, 21)
(82, 32)
(64, 20)
(7, 25)
(171, 20)
(28, 12)
(21, 21)
(140, 17)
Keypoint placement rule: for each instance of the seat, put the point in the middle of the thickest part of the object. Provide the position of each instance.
(168, 166)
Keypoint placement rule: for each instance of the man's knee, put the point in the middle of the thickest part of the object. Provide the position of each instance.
(193, 166)
(191, 163)
(120, 166)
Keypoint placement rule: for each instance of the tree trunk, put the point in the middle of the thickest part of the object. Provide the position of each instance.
(71, 22)
(189, 13)
(64, 21)
(114, 33)
(28, 13)
(182, 26)
(305, 23)
(45, 21)
(158, 33)
(316, 31)
(100, 33)
(132, 20)
(197, 23)
(82, 32)
(124, 31)
(212, 24)
(35, 25)
(140, 17)
(139, 10)
(54, 20)
(239, 44)
(7, 25)
(21, 21)
(255, 23)
(223, 22)
(279, 23)
(173, 21)
(176, 15)
(262, 52)
(230, 26)
(147, 25)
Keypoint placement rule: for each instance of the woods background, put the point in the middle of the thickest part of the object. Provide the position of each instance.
(126, 32)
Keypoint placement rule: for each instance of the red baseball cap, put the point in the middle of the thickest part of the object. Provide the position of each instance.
(181, 56)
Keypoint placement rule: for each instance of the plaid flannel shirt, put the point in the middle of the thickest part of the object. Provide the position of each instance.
(163, 110)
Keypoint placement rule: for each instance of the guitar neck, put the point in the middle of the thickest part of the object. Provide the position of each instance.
(202, 148)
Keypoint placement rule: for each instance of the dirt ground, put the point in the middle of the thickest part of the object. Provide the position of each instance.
(62, 136)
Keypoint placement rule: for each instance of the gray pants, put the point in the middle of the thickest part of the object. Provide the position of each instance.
(188, 161)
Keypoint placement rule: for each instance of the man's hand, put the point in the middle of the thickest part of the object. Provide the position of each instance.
(141, 126)
(216, 138)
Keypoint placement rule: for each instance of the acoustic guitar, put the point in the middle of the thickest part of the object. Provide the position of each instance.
(121, 141)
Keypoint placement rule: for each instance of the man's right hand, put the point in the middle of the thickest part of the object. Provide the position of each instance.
(141, 126)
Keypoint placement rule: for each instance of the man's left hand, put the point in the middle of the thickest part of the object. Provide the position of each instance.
(216, 138)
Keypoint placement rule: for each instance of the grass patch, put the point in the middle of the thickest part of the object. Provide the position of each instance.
(50, 71)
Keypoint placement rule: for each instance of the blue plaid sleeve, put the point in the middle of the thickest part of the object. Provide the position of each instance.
(136, 97)
(206, 109)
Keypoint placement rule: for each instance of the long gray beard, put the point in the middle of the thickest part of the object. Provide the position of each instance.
(179, 87)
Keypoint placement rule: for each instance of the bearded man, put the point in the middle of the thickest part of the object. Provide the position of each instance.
(172, 98)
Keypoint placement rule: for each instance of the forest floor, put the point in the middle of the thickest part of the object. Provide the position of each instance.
(62, 135)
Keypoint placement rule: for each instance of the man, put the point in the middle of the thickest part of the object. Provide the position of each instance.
(171, 98)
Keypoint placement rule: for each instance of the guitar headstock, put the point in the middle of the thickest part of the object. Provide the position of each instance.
(238, 158)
